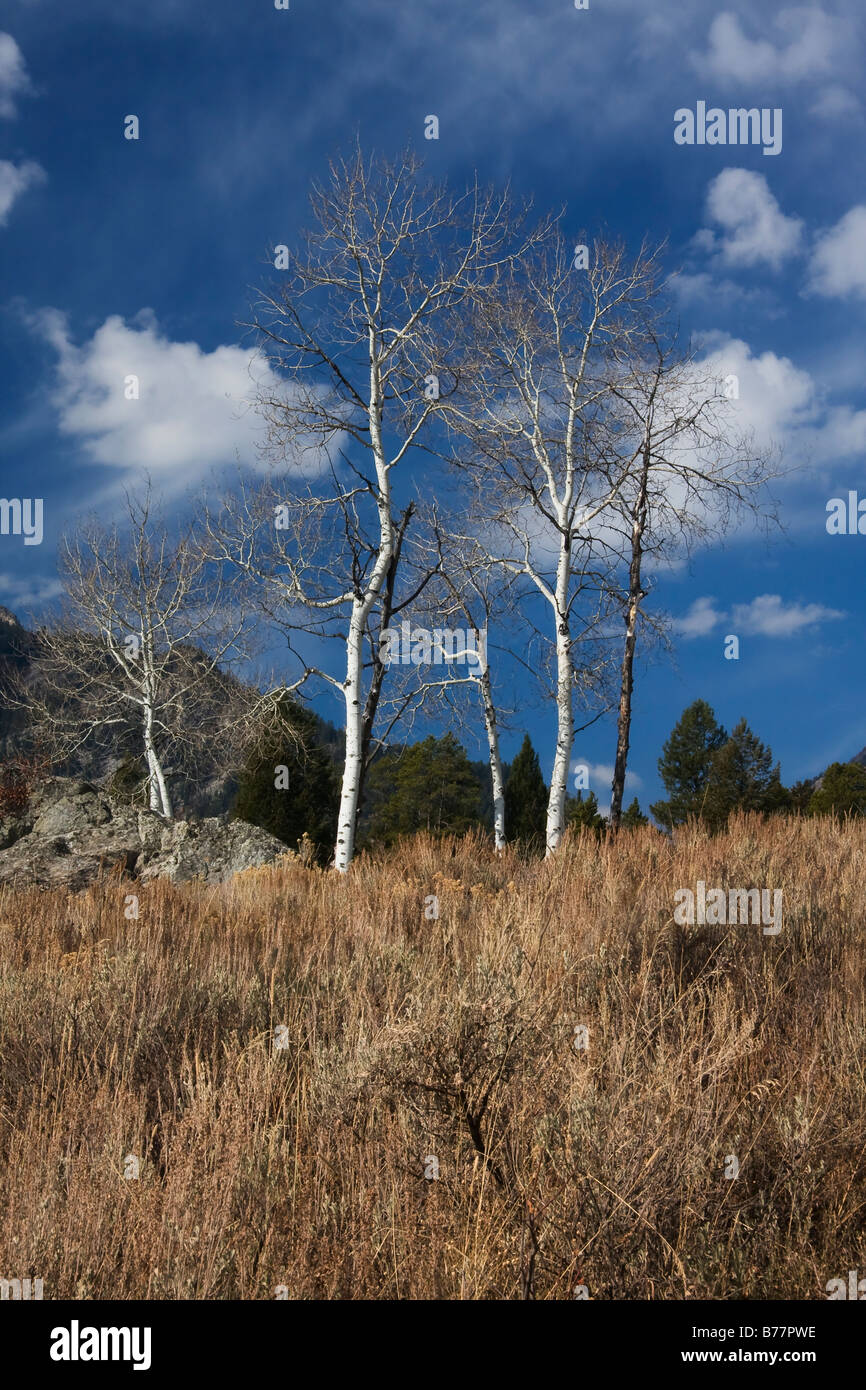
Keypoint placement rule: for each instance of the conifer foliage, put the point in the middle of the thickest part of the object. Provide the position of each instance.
(290, 785)
(526, 798)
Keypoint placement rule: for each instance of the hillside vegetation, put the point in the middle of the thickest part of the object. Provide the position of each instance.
(281, 1058)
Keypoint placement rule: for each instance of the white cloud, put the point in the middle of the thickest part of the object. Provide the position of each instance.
(14, 81)
(839, 258)
(844, 434)
(601, 781)
(780, 404)
(755, 231)
(768, 616)
(775, 397)
(603, 773)
(194, 411)
(810, 45)
(835, 103)
(778, 411)
(18, 593)
(765, 616)
(702, 287)
(15, 179)
(701, 618)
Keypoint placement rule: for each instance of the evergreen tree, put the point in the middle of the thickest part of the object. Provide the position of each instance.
(842, 789)
(583, 810)
(742, 777)
(633, 816)
(427, 786)
(290, 784)
(526, 798)
(684, 766)
(801, 794)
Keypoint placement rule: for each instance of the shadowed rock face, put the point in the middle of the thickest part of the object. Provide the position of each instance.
(72, 832)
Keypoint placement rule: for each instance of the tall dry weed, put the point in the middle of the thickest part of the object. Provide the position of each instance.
(154, 1046)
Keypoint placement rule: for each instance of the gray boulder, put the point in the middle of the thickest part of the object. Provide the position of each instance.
(72, 832)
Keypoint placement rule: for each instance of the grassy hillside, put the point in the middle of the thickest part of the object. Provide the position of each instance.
(411, 1038)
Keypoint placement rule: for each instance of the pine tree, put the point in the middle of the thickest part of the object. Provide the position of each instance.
(583, 810)
(427, 786)
(290, 785)
(684, 766)
(742, 777)
(842, 789)
(633, 816)
(800, 794)
(526, 798)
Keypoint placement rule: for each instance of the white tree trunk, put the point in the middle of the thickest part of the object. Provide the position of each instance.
(494, 757)
(159, 799)
(564, 709)
(153, 800)
(361, 609)
(347, 819)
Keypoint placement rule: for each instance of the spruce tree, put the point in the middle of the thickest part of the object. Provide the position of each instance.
(842, 789)
(290, 784)
(583, 810)
(526, 798)
(427, 786)
(800, 794)
(633, 816)
(684, 766)
(742, 777)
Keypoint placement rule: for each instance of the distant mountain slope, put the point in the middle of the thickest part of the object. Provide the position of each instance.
(210, 788)
(206, 788)
(16, 649)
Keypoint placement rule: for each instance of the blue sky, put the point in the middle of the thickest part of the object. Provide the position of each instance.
(121, 256)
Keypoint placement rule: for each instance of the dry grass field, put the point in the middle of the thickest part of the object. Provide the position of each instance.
(410, 1039)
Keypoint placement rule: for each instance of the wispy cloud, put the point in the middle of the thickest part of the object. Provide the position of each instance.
(14, 80)
(15, 179)
(768, 615)
(20, 593)
(839, 259)
(810, 44)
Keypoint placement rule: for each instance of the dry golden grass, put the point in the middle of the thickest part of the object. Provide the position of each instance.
(410, 1037)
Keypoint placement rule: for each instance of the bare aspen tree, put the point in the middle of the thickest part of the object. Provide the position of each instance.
(535, 409)
(450, 627)
(691, 471)
(389, 609)
(143, 621)
(358, 331)
(269, 542)
(468, 589)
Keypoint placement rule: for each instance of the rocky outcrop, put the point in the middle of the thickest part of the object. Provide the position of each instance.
(72, 832)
